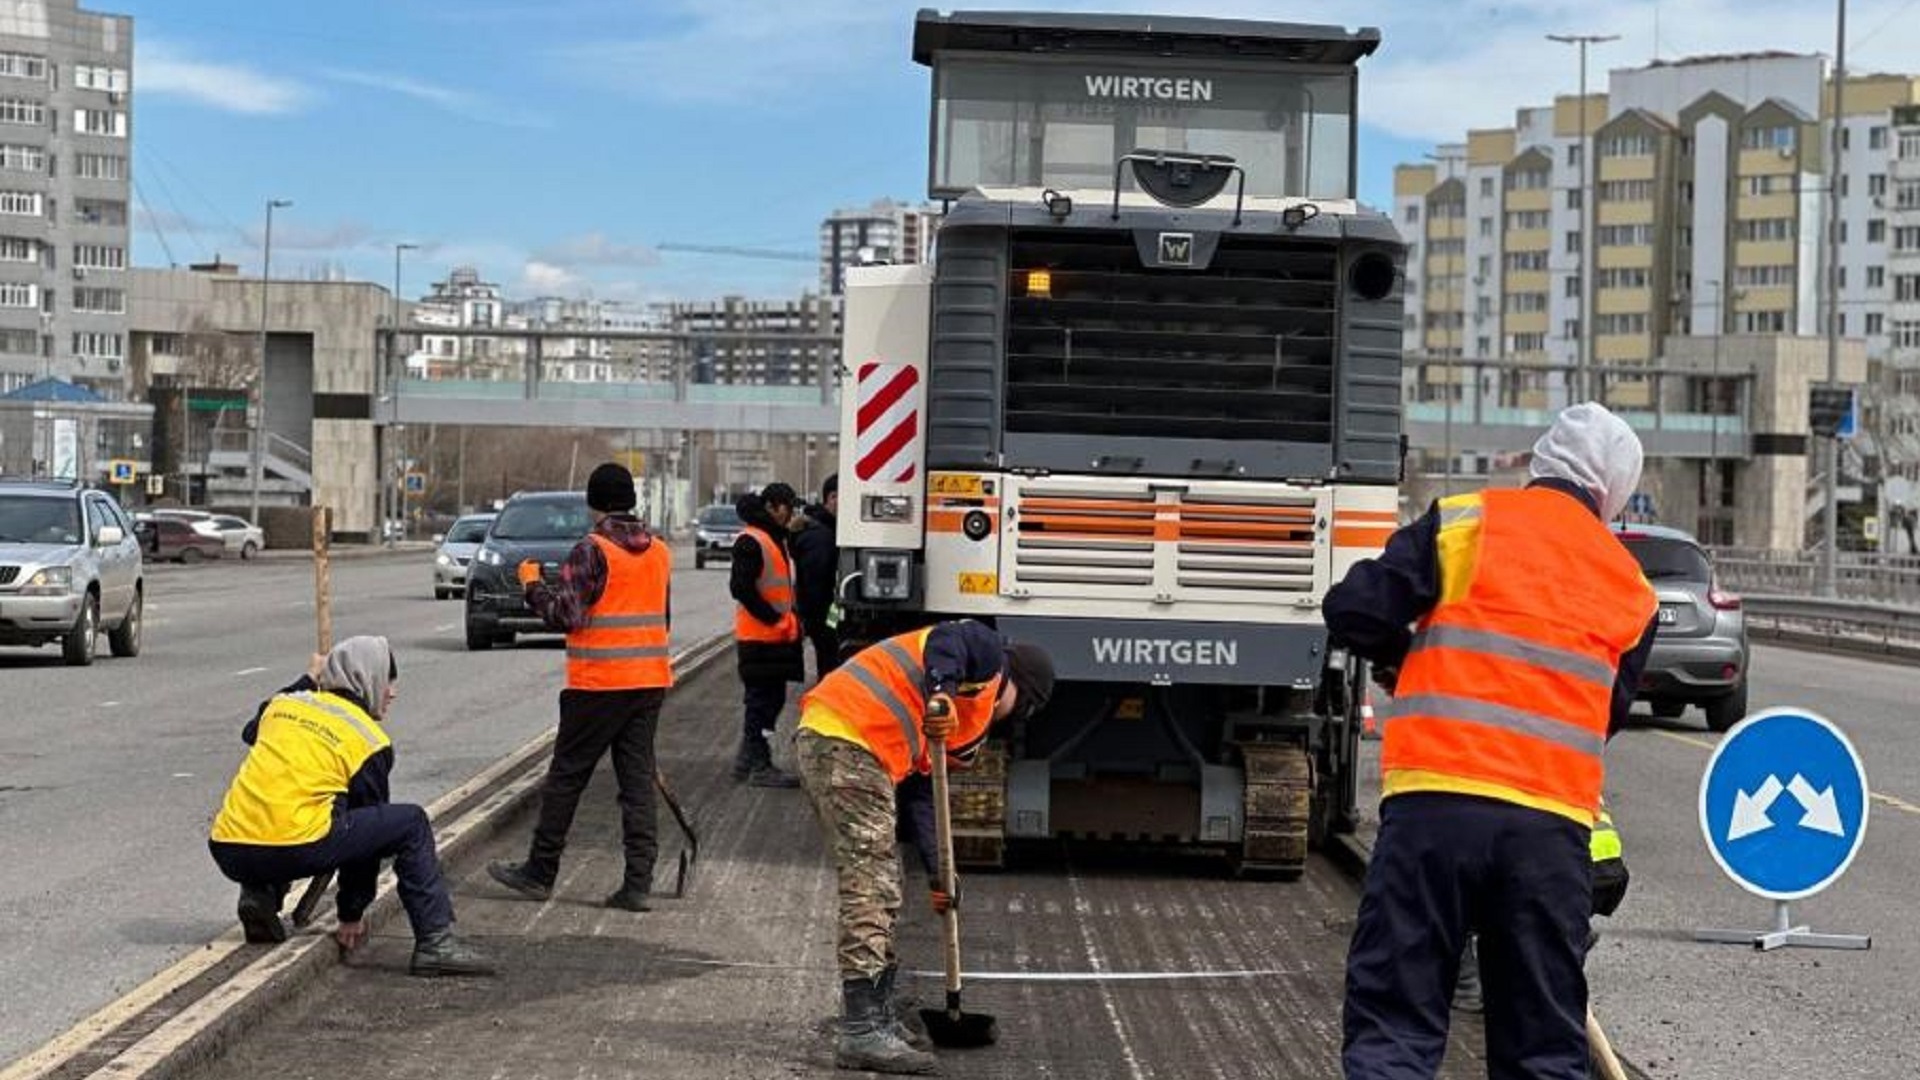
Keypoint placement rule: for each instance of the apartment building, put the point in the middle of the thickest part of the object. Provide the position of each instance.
(66, 129)
(885, 232)
(465, 302)
(761, 342)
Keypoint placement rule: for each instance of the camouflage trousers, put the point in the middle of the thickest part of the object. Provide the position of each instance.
(854, 799)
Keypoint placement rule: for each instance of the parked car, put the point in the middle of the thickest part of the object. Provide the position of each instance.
(1700, 653)
(70, 567)
(543, 526)
(168, 538)
(242, 537)
(715, 529)
(457, 548)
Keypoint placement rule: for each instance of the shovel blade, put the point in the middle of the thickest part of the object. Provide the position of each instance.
(956, 1030)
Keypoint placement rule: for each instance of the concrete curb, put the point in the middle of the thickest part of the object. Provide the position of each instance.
(201, 1030)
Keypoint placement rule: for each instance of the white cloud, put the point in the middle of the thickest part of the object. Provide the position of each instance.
(162, 69)
(545, 279)
(1442, 67)
(464, 103)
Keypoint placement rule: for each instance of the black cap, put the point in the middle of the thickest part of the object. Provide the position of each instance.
(1030, 670)
(778, 494)
(610, 489)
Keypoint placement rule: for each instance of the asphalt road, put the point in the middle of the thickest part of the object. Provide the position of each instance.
(109, 775)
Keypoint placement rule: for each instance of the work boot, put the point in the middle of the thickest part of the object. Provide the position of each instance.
(520, 877)
(629, 897)
(907, 1025)
(866, 1039)
(260, 915)
(443, 954)
(1466, 991)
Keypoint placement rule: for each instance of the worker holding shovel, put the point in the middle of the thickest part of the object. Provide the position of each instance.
(889, 713)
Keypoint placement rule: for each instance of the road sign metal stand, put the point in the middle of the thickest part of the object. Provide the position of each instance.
(1784, 934)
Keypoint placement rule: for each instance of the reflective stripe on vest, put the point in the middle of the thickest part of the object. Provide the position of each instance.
(775, 586)
(880, 694)
(1508, 687)
(1606, 839)
(306, 750)
(624, 644)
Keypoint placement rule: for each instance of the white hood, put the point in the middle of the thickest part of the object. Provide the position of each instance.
(1591, 447)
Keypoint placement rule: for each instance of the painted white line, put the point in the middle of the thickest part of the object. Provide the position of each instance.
(1098, 964)
(446, 627)
(249, 671)
(109, 704)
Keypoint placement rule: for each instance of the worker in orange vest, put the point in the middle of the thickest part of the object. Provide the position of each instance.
(766, 629)
(1513, 626)
(864, 729)
(612, 603)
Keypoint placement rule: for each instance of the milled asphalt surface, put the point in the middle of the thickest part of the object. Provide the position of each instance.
(109, 775)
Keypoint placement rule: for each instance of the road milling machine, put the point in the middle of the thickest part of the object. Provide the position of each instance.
(1143, 407)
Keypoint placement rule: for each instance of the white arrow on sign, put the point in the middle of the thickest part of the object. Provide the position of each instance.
(1750, 811)
(1822, 810)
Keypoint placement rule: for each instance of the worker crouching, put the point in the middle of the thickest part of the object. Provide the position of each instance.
(865, 729)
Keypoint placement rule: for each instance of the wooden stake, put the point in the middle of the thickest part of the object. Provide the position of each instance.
(323, 577)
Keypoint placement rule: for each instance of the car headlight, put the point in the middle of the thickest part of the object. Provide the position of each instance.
(53, 581)
(443, 559)
(490, 557)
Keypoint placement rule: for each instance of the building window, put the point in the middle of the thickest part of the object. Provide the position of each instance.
(1910, 145)
(1527, 303)
(1877, 138)
(99, 257)
(19, 249)
(15, 65)
(105, 122)
(1572, 287)
(1528, 180)
(1763, 322)
(1767, 138)
(1626, 323)
(99, 212)
(1876, 231)
(1486, 187)
(24, 113)
(1486, 227)
(1876, 277)
(1570, 328)
(22, 203)
(1486, 266)
(1573, 156)
(1622, 277)
(1763, 276)
(1528, 343)
(15, 294)
(1767, 229)
(1773, 185)
(1527, 219)
(1876, 185)
(1572, 241)
(1686, 147)
(97, 345)
(1624, 235)
(1522, 261)
(1876, 324)
(1906, 335)
(96, 77)
(100, 166)
(1906, 238)
(1626, 190)
(1906, 288)
(1411, 214)
(1637, 145)
(27, 159)
(100, 301)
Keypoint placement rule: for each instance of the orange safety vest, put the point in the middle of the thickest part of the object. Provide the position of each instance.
(776, 588)
(1507, 690)
(624, 644)
(879, 697)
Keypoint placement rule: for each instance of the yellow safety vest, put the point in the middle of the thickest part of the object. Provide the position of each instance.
(306, 751)
(1605, 843)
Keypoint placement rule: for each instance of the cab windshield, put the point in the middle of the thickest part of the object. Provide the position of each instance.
(1021, 122)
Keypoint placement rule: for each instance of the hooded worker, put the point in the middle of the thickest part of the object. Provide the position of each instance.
(1513, 626)
(311, 798)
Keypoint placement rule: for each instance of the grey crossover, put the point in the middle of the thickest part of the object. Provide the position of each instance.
(70, 568)
(1700, 653)
(542, 526)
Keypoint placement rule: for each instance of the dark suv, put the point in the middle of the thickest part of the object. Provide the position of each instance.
(540, 525)
(1700, 651)
(69, 568)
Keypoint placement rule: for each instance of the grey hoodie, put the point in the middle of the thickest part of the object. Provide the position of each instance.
(364, 667)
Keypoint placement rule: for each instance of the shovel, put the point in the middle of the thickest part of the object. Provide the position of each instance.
(950, 1027)
(309, 903)
(691, 852)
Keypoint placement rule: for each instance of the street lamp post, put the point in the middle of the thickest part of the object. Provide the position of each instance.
(389, 493)
(1830, 514)
(1583, 341)
(258, 464)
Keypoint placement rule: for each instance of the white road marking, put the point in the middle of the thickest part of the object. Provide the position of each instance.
(109, 704)
(1097, 963)
(249, 671)
(1892, 801)
(446, 627)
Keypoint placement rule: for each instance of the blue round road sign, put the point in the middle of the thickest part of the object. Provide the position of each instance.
(1783, 804)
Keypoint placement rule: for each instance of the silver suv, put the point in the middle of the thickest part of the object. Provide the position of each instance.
(1700, 653)
(69, 568)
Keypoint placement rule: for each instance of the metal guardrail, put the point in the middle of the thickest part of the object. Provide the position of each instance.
(1861, 577)
(1852, 626)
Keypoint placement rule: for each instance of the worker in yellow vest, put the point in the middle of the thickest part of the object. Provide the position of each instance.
(612, 603)
(1518, 625)
(311, 798)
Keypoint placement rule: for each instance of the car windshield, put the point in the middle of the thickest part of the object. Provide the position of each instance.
(1663, 559)
(720, 517)
(543, 520)
(471, 531)
(33, 519)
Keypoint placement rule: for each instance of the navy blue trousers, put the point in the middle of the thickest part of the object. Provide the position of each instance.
(1445, 865)
(360, 839)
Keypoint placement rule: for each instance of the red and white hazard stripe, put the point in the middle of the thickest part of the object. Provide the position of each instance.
(887, 425)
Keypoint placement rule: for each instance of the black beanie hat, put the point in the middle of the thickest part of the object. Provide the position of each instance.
(610, 489)
(1030, 670)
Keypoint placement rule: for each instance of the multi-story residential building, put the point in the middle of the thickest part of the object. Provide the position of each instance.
(765, 342)
(591, 358)
(465, 302)
(885, 232)
(66, 127)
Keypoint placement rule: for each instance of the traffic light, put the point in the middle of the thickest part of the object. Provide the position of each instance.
(1830, 411)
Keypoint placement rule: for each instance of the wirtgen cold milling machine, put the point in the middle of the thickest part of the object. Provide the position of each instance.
(1143, 408)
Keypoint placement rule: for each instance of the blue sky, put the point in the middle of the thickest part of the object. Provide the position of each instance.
(552, 143)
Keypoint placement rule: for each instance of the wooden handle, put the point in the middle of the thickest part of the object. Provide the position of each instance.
(1610, 1067)
(323, 577)
(943, 828)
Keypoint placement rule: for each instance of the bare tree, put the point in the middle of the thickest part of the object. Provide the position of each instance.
(211, 358)
(500, 461)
